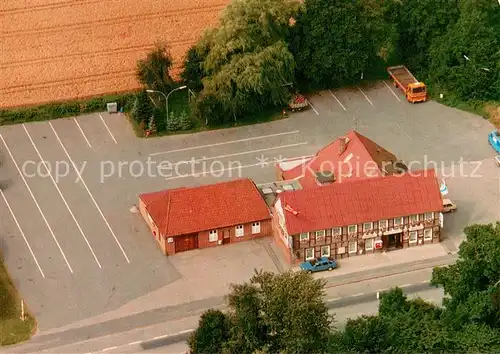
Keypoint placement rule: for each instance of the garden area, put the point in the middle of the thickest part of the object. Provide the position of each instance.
(13, 328)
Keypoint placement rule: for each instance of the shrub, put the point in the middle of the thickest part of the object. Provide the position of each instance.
(173, 123)
(185, 121)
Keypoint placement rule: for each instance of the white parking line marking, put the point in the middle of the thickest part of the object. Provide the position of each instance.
(37, 205)
(22, 232)
(424, 282)
(338, 101)
(89, 193)
(360, 90)
(356, 295)
(204, 173)
(61, 195)
(223, 143)
(109, 348)
(161, 337)
(243, 153)
(314, 109)
(186, 331)
(81, 130)
(392, 91)
(107, 128)
(136, 342)
(405, 285)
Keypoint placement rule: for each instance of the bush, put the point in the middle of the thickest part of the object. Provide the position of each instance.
(173, 123)
(185, 121)
(65, 109)
(142, 109)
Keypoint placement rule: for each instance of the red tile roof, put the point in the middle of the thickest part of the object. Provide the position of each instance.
(358, 201)
(189, 210)
(361, 159)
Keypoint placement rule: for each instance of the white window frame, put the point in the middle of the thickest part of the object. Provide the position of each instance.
(400, 224)
(355, 229)
(427, 231)
(239, 231)
(304, 237)
(430, 214)
(336, 231)
(308, 250)
(355, 247)
(386, 223)
(413, 216)
(212, 234)
(256, 227)
(320, 233)
(367, 229)
(416, 236)
(372, 246)
(329, 251)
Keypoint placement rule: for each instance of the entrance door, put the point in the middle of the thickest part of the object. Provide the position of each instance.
(395, 241)
(186, 243)
(226, 237)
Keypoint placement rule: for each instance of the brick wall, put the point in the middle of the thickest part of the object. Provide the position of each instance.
(154, 229)
(265, 230)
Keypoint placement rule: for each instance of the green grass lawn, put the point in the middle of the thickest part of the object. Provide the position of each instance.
(12, 328)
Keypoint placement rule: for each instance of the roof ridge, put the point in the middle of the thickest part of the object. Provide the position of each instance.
(167, 216)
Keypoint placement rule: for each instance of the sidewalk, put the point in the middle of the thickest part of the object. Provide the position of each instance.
(388, 260)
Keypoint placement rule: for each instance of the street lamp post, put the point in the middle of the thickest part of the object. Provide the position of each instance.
(166, 97)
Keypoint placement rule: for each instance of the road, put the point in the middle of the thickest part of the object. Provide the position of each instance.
(165, 328)
(342, 309)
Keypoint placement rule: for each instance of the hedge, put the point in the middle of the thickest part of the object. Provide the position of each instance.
(65, 109)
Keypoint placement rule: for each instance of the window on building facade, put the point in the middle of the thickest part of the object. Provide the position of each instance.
(325, 251)
(320, 233)
(352, 229)
(367, 226)
(353, 247)
(429, 216)
(398, 221)
(382, 224)
(413, 236)
(336, 231)
(369, 244)
(309, 253)
(212, 236)
(304, 236)
(256, 228)
(414, 218)
(239, 231)
(428, 234)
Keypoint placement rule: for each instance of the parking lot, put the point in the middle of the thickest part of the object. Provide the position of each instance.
(71, 241)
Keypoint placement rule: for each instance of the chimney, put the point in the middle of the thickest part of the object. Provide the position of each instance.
(343, 142)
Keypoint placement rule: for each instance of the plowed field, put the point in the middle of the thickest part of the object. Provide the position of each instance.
(54, 50)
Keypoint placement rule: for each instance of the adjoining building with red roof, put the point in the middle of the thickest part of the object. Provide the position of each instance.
(351, 157)
(188, 218)
(359, 216)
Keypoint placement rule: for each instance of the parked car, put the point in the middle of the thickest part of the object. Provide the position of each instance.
(319, 264)
(449, 206)
(497, 160)
(494, 140)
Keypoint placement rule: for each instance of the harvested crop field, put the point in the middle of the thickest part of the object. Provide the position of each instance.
(55, 50)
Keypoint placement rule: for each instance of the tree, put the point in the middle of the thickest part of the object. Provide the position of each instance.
(471, 284)
(142, 108)
(466, 60)
(173, 122)
(154, 71)
(193, 72)
(420, 23)
(277, 313)
(334, 41)
(185, 121)
(248, 62)
(211, 334)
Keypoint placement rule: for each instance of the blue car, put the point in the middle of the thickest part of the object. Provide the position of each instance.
(494, 140)
(319, 264)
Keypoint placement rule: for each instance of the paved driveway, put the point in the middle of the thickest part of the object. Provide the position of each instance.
(73, 243)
